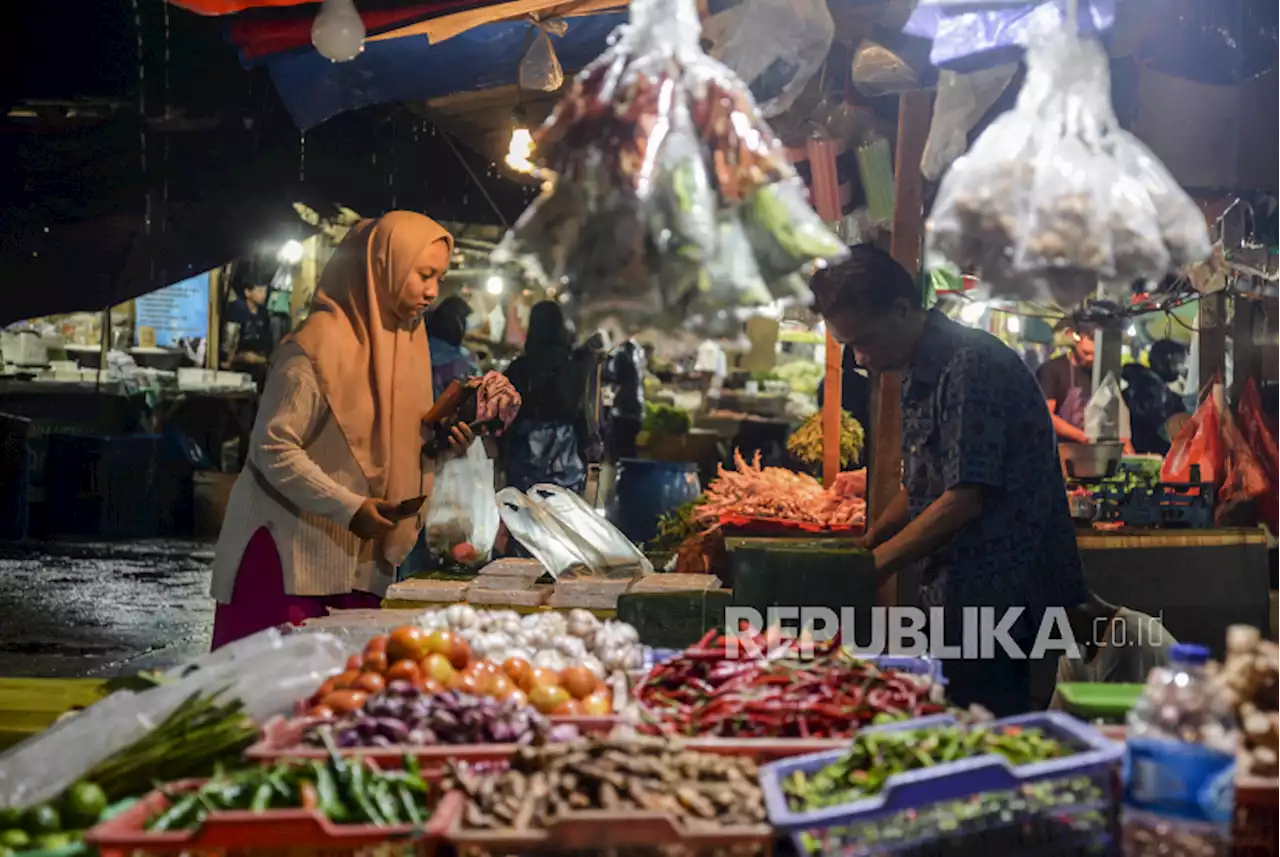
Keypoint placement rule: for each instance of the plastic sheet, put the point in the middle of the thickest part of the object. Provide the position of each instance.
(962, 100)
(540, 68)
(1099, 425)
(776, 46)
(653, 154)
(1055, 197)
(463, 509)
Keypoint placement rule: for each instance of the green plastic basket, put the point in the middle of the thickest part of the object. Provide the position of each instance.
(1105, 701)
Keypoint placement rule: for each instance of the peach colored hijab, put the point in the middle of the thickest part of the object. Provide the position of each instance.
(374, 371)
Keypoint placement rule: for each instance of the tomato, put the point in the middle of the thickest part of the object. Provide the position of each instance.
(345, 680)
(430, 686)
(517, 696)
(464, 683)
(321, 712)
(539, 677)
(572, 708)
(345, 701)
(597, 704)
(437, 668)
(459, 653)
(377, 644)
(407, 642)
(370, 683)
(548, 697)
(329, 686)
(404, 671)
(375, 662)
(354, 662)
(579, 681)
(518, 669)
(440, 642)
(499, 685)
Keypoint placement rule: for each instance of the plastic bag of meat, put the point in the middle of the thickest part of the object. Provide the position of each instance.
(659, 168)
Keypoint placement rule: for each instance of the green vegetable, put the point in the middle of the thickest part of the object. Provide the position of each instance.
(52, 842)
(41, 819)
(676, 526)
(666, 419)
(10, 816)
(806, 443)
(15, 838)
(874, 757)
(191, 742)
(344, 791)
(769, 220)
(83, 804)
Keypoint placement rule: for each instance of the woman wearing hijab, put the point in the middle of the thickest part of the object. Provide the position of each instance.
(337, 443)
(446, 327)
(546, 442)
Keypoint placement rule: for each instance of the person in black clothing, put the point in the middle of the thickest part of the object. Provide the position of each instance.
(855, 398)
(546, 442)
(254, 341)
(627, 367)
(1067, 383)
(1147, 395)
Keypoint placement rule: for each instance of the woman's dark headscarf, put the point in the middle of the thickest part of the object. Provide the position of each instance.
(550, 387)
(548, 336)
(448, 321)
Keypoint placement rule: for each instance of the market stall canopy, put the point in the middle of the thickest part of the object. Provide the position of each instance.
(412, 69)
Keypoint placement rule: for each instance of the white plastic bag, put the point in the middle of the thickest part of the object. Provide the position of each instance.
(1099, 425)
(775, 46)
(463, 509)
(590, 532)
(540, 68)
(962, 100)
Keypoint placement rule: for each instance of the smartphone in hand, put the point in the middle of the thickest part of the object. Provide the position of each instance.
(408, 508)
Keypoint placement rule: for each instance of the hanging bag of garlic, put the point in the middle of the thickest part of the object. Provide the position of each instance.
(1055, 198)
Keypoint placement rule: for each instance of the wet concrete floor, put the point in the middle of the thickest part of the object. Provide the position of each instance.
(102, 610)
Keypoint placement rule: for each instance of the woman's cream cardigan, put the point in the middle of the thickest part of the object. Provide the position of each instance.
(302, 483)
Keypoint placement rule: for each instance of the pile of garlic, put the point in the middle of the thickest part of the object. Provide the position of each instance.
(549, 640)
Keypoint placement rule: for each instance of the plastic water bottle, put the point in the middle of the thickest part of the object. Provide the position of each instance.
(1179, 772)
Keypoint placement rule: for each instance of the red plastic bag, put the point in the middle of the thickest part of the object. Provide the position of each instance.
(1263, 445)
(1244, 478)
(1199, 442)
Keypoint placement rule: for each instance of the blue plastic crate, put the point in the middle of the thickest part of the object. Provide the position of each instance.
(913, 790)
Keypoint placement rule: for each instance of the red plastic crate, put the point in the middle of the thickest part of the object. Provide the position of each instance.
(276, 831)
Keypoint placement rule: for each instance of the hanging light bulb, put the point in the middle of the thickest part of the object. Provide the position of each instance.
(519, 150)
(338, 32)
(1133, 330)
(494, 285)
(1014, 324)
(291, 252)
(971, 313)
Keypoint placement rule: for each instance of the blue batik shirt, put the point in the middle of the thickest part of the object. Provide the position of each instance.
(973, 414)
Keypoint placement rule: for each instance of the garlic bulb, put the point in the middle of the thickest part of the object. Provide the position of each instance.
(582, 623)
(461, 615)
(592, 663)
(549, 659)
(571, 647)
(533, 638)
(431, 620)
(554, 624)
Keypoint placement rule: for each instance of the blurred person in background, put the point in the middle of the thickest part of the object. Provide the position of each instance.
(589, 359)
(1150, 397)
(626, 370)
(547, 442)
(254, 340)
(1067, 384)
(450, 359)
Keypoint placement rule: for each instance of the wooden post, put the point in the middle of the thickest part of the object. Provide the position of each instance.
(824, 187)
(1246, 355)
(885, 462)
(1211, 324)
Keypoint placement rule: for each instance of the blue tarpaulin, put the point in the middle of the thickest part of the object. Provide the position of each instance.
(411, 69)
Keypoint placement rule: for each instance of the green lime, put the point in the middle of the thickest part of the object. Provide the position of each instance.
(52, 841)
(10, 816)
(41, 819)
(15, 839)
(83, 804)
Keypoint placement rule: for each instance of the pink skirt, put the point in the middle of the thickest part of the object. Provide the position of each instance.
(259, 602)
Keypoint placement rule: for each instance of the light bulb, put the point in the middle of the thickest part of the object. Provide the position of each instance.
(1014, 324)
(291, 252)
(1133, 330)
(971, 313)
(494, 285)
(519, 150)
(338, 33)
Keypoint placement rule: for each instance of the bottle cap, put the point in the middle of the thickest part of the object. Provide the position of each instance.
(1188, 653)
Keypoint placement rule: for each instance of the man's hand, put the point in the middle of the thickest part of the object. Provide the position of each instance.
(251, 357)
(460, 438)
(866, 541)
(373, 519)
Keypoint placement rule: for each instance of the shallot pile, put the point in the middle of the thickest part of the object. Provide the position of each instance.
(753, 491)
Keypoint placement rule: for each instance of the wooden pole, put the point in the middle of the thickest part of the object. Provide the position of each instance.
(1211, 326)
(824, 187)
(885, 474)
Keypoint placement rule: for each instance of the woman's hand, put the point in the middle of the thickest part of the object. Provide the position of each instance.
(460, 438)
(373, 519)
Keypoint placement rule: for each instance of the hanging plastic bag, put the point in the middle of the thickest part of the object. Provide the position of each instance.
(1199, 443)
(1099, 424)
(540, 68)
(879, 71)
(1263, 445)
(650, 151)
(544, 537)
(775, 46)
(961, 102)
(462, 520)
(1244, 478)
